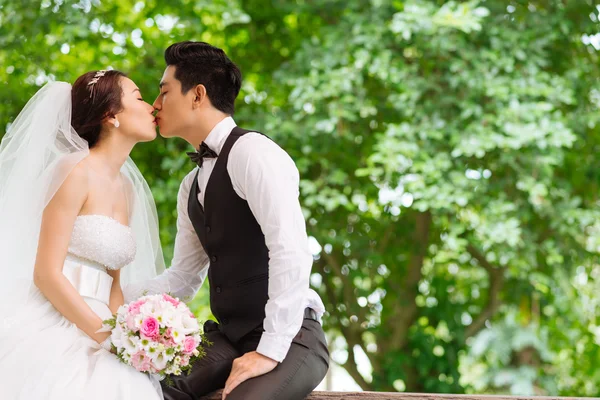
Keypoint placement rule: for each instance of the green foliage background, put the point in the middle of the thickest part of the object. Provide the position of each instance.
(448, 151)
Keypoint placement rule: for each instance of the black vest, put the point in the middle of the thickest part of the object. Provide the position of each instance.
(239, 258)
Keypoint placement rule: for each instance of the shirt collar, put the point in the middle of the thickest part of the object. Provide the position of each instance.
(216, 138)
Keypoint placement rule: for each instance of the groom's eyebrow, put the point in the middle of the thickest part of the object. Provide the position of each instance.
(160, 85)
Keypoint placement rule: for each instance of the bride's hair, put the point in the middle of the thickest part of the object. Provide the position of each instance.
(95, 95)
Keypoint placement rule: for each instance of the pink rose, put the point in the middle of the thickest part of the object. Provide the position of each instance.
(141, 361)
(134, 308)
(189, 345)
(131, 322)
(171, 300)
(150, 328)
(185, 361)
(167, 339)
(168, 342)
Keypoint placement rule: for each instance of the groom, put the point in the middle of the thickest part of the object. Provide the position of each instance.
(239, 222)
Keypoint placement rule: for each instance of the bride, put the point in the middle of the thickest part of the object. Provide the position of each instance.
(77, 221)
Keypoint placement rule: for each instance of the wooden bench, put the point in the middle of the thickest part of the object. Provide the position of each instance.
(405, 396)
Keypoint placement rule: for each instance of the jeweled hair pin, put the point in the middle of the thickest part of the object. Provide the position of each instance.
(95, 80)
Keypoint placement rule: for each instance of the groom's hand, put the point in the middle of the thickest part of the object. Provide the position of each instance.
(248, 366)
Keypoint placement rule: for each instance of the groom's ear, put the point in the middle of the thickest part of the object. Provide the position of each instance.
(199, 96)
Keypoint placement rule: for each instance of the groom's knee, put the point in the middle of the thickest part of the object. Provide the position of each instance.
(219, 348)
(173, 393)
(212, 370)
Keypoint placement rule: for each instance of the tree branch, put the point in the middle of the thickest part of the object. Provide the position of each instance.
(496, 278)
(333, 298)
(352, 333)
(383, 243)
(374, 359)
(350, 365)
(405, 311)
(348, 295)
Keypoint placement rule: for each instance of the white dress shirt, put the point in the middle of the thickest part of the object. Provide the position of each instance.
(264, 175)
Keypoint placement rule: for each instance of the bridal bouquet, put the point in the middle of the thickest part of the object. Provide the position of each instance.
(157, 334)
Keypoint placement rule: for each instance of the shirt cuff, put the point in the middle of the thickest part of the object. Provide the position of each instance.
(274, 346)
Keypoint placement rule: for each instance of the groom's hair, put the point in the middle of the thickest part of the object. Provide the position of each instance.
(199, 63)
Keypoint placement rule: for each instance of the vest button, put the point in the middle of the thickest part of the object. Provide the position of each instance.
(213, 259)
(207, 229)
(225, 321)
(218, 289)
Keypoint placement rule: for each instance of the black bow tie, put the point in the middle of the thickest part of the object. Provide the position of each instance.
(203, 152)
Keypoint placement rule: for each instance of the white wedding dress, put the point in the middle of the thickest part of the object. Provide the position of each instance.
(44, 356)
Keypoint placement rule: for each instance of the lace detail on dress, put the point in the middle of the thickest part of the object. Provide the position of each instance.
(103, 240)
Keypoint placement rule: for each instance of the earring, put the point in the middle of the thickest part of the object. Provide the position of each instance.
(117, 123)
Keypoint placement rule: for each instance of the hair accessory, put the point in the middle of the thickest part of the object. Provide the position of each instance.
(95, 80)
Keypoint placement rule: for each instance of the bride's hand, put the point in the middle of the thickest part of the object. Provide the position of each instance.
(105, 343)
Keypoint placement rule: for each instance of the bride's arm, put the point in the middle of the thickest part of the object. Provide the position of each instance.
(116, 294)
(57, 226)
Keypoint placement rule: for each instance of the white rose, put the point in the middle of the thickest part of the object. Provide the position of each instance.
(159, 359)
(190, 325)
(138, 320)
(116, 336)
(131, 344)
(167, 318)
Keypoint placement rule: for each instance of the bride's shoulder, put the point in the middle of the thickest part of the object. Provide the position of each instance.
(78, 178)
(73, 189)
(81, 171)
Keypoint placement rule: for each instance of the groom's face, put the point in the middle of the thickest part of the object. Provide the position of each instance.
(175, 113)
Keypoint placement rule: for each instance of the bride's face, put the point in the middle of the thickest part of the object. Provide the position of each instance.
(136, 120)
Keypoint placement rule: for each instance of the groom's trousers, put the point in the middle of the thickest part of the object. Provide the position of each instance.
(294, 378)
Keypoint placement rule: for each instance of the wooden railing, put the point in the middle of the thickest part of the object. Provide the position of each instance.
(405, 396)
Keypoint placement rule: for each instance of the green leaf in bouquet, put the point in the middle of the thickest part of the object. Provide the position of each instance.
(112, 322)
(169, 380)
